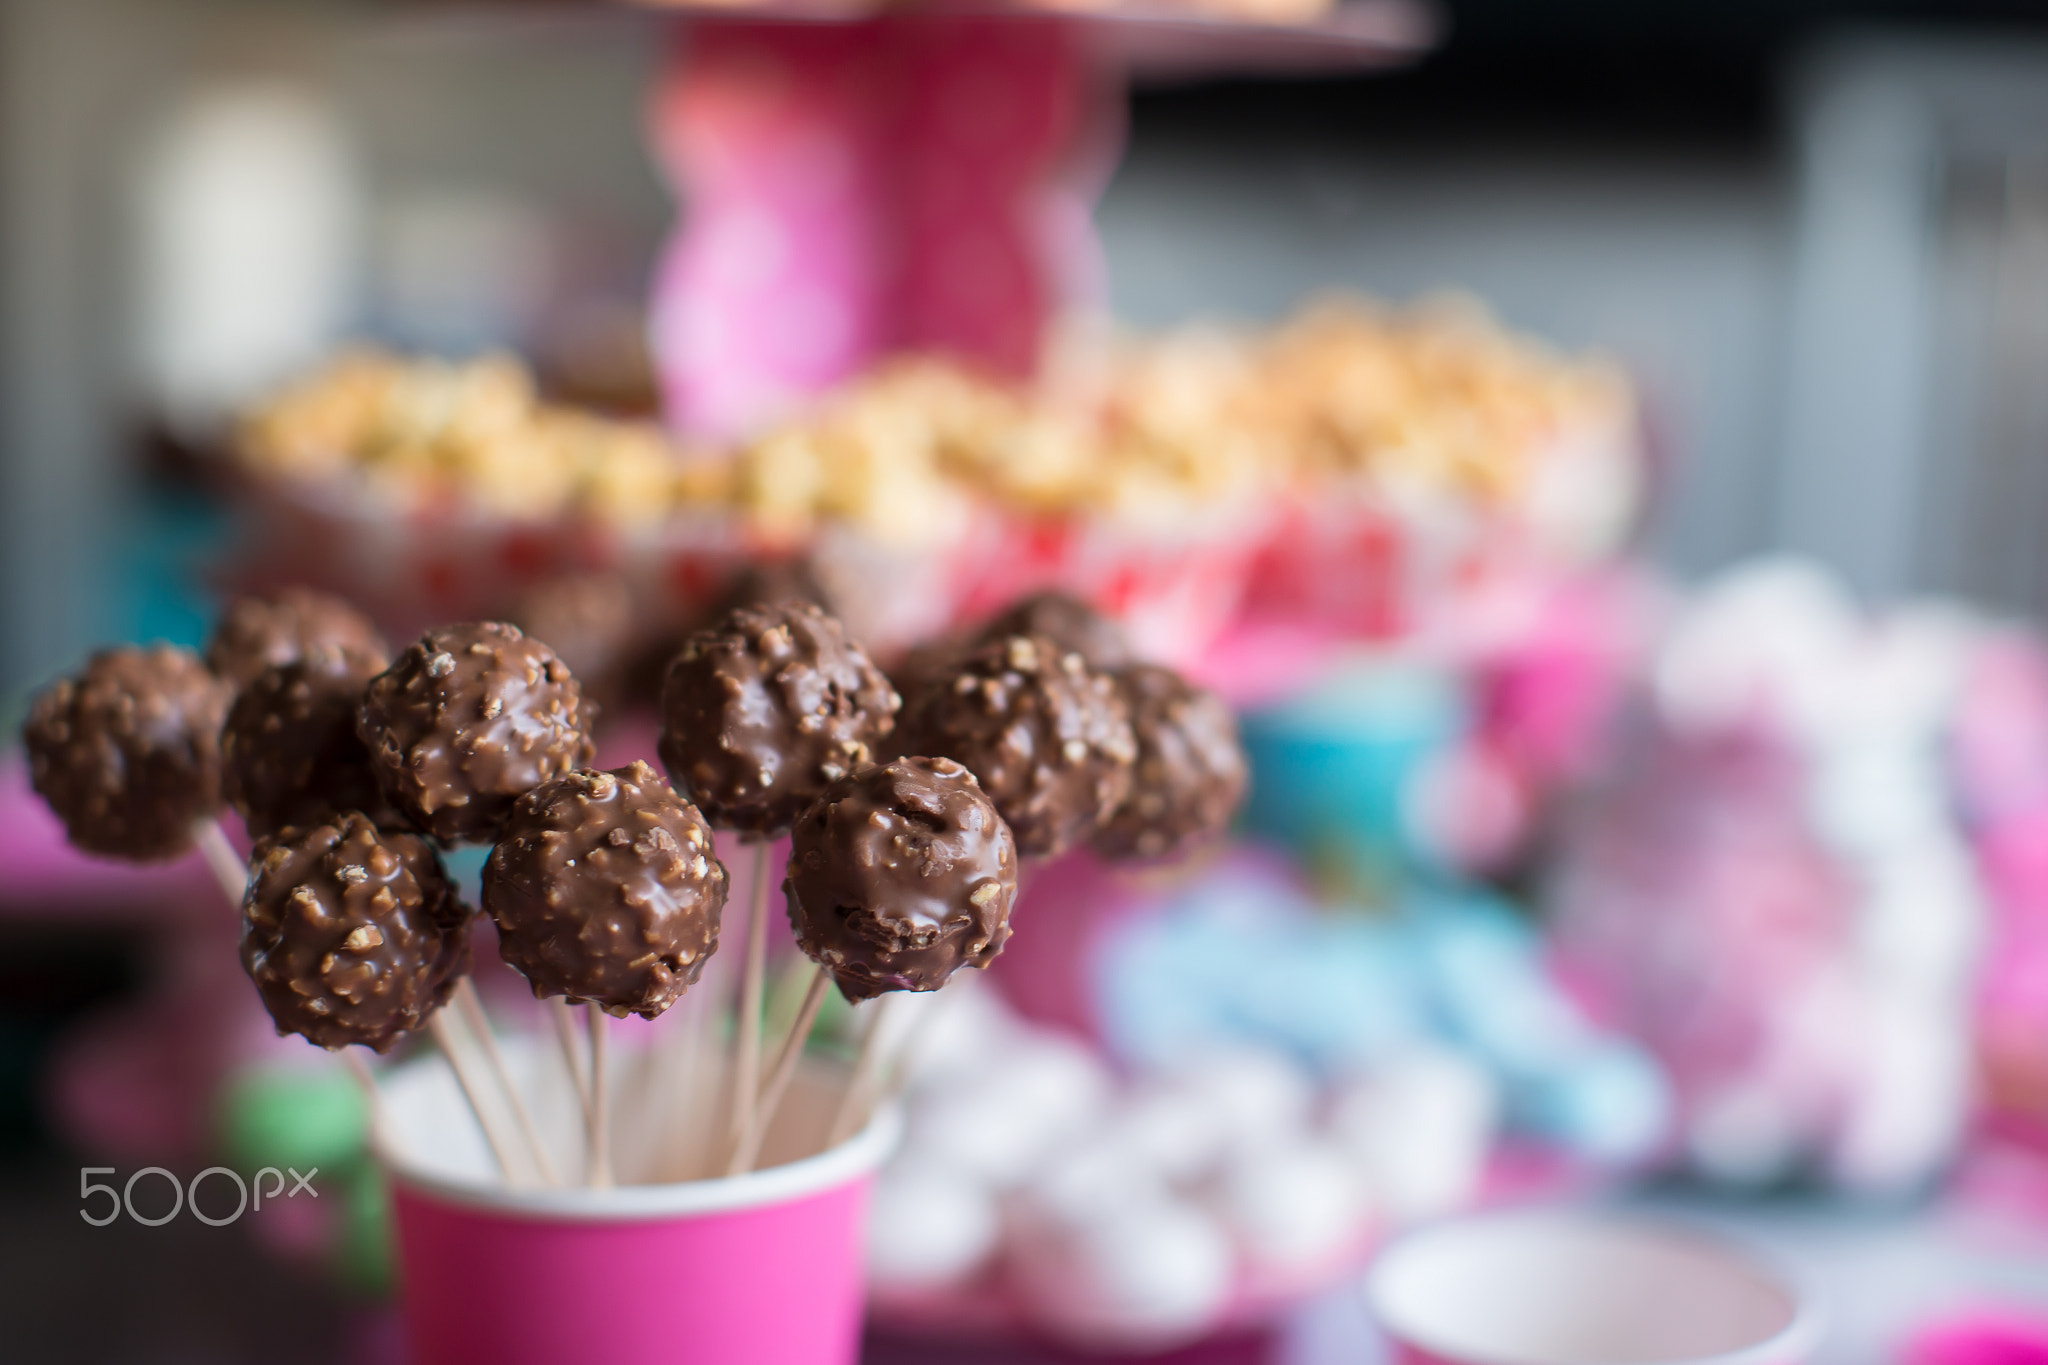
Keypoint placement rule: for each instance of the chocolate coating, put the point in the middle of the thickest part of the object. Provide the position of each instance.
(1069, 623)
(352, 934)
(256, 632)
(1190, 772)
(127, 752)
(761, 713)
(588, 620)
(468, 718)
(900, 875)
(1049, 740)
(604, 889)
(289, 752)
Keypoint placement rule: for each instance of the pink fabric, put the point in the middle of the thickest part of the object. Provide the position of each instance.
(852, 190)
(778, 1284)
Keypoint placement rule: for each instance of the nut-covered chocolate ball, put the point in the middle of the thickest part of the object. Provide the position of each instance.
(352, 934)
(256, 632)
(289, 752)
(899, 875)
(1071, 624)
(605, 890)
(1049, 739)
(127, 752)
(470, 717)
(589, 621)
(1190, 772)
(761, 713)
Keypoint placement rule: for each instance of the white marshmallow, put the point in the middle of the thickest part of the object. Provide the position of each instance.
(1259, 1095)
(1148, 1274)
(930, 1228)
(1291, 1206)
(1419, 1125)
(1004, 1121)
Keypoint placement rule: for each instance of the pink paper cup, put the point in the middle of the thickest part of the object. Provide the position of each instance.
(759, 1269)
(1568, 1288)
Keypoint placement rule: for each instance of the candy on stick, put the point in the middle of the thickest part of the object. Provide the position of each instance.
(1190, 772)
(255, 633)
(1049, 739)
(355, 936)
(759, 715)
(1069, 623)
(467, 719)
(290, 754)
(900, 875)
(605, 891)
(127, 753)
(589, 620)
(763, 711)
(352, 934)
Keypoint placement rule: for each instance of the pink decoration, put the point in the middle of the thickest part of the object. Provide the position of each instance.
(855, 190)
(2000, 759)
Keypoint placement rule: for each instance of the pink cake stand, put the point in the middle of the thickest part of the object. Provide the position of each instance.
(862, 184)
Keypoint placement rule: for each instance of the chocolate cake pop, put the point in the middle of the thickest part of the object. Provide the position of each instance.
(352, 934)
(899, 875)
(1049, 740)
(762, 712)
(588, 619)
(290, 754)
(1069, 623)
(127, 752)
(256, 632)
(468, 718)
(1190, 772)
(604, 889)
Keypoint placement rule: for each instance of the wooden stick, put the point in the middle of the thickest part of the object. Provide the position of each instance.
(572, 1048)
(671, 1080)
(746, 1066)
(770, 1099)
(857, 1101)
(598, 1174)
(785, 995)
(472, 1007)
(463, 1064)
(373, 1098)
(229, 868)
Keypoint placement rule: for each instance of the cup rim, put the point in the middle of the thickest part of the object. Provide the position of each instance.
(857, 1156)
(1791, 1343)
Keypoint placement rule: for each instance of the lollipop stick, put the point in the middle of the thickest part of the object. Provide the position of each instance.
(359, 1071)
(599, 1173)
(472, 1008)
(463, 1064)
(229, 868)
(779, 1078)
(572, 1048)
(857, 1101)
(746, 1067)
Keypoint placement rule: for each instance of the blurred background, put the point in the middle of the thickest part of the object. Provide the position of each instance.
(1743, 804)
